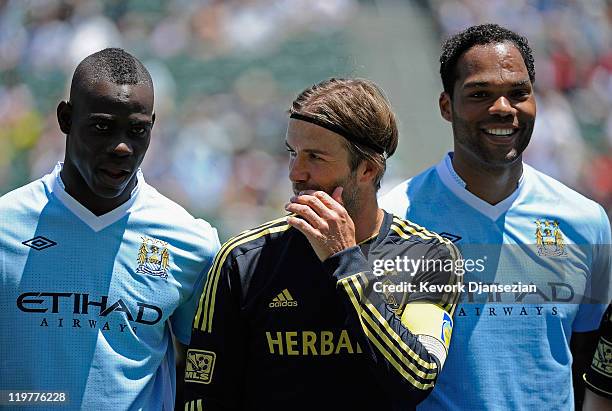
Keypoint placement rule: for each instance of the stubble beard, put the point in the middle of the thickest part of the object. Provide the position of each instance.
(350, 194)
(351, 199)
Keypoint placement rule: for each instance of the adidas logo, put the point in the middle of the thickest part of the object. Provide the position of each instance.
(283, 299)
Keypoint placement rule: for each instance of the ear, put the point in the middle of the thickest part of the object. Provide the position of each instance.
(366, 172)
(152, 119)
(446, 106)
(64, 116)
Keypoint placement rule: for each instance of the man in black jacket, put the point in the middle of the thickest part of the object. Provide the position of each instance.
(340, 304)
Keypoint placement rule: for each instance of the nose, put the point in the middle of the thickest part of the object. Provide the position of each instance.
(502, 107)
(122, 149)
(298, 171)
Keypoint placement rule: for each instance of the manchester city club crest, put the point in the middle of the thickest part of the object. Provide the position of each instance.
(153, 258)
(549, 239)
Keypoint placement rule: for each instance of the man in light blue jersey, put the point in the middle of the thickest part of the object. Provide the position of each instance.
(98, 271)
(544, 247)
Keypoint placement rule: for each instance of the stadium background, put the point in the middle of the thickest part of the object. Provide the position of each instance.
(226, 71)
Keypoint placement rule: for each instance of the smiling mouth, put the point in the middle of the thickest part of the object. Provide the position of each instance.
(500, 132)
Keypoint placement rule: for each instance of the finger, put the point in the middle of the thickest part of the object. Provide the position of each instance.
(307, 213)
(331, 202)
(303, 227)
(337, 194)
(303, 193)
(313, 202)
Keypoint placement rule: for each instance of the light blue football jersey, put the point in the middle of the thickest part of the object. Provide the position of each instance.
(510, 346)
(88, 304)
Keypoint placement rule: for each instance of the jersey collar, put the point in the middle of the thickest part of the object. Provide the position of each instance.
(54, 184)
(454, 183)
(384, 229)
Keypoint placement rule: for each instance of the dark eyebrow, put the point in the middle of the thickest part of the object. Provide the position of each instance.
(475, 84)
(308, 150)
(111, 117)
(138, 122)
(521, 83)
(482, 84)
(100, 116)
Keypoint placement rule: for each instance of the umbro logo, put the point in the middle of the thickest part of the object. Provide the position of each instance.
(39, 243)
(452, 237)
(283, 299)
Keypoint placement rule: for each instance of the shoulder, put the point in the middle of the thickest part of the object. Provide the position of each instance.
(407, 234)
(158, 212)
(271, 233)
(398, 200)
(27, 198)
(574, 206)
(157, 202)
(547, 187)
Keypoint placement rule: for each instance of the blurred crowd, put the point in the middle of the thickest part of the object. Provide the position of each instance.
(572, 43)
(225, 72)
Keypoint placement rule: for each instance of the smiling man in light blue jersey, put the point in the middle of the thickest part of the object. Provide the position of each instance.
(511, 346)
(98, 271)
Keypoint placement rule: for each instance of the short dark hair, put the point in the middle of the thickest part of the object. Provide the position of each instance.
(113, 65)
(359, 107)
(454, 47)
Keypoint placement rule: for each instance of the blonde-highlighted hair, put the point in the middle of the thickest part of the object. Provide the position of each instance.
(359, 108)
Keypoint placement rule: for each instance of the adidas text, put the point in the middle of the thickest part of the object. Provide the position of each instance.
(275, 304)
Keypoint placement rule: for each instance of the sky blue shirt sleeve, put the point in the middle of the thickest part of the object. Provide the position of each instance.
(182, 318)
(589, 315)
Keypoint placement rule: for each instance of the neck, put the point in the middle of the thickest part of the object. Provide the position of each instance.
(367, 219)
(78, 189)
(490, 183)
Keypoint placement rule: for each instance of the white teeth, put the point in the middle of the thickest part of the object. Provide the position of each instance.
(500, 131)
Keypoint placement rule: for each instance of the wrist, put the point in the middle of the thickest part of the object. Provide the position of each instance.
(345, 263)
